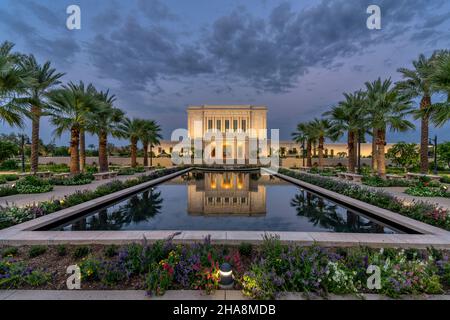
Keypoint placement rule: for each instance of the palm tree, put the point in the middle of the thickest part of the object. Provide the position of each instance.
(305, 132)
(301, 137)
(150, 136)
(440, 80)
(320, 129)
(13, 81)
(44, 78)
(347, 117)
(387, 108)
(70, 106)
(104, 121)
(417, 83)
(132, 130)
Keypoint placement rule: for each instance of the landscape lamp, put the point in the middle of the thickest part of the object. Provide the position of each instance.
(226, 276)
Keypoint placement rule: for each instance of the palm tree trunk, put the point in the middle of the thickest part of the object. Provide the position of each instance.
(374, 150)
(351, 151)
(309, 154)
(102, 152)
(145, 147)
(355, 142)
(74, 151)
(133, 153)
(381, 161)
(424, 104)
(82, 150)
(35, 123)
(151, 155)
(321, 142)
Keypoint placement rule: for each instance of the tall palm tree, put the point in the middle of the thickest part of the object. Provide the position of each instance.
(44, 78)
(301, 137)
(348, 117)
(305, 131)
(417, 83)
(104, 121)
(321, 131)
(150, 137)
(440, 80)
(388, 109)
(13, 82)
(70, 107)
(132, 130)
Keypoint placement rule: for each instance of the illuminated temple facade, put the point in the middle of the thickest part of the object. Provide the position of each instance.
(226, 193)
(242, 120)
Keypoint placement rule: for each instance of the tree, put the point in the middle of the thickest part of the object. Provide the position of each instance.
(440, 80)
(404, 155)
(8, 150)
(304, 134)
(104, 121)
(417, 83)
(43, 79)
(348, 116)
(320, 129)
(150, 137)
(70, 106)
(13, 82)
(387, 109)
(131, 130)
(443, 152)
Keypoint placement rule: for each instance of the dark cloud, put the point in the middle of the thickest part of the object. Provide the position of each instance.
(107, 18)
(138, 56)
(268, 54)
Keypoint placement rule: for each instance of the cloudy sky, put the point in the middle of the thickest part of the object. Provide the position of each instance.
(296, 57)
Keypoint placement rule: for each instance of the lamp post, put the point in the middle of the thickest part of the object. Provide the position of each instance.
(22, 151)
(434, 144)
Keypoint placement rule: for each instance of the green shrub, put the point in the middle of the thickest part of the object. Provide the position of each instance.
(445, 179)
(423, 191)
(126, 172)
(36, 251)
(11, 251)
(2, 180)
(61, 249)
(81, 252)
(90, 269)
(8, 191)
(33, 184)
(79, 179)
(376, 181)
(10, 177)
(111, 251)
(245, 249)
(9, 165)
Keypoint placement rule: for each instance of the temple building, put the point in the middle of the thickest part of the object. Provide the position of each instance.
(228, 130)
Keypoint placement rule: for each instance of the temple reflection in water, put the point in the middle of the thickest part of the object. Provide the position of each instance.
(236, 193)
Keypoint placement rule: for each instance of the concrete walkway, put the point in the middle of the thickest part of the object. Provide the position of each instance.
(181, 295)
(58, 192)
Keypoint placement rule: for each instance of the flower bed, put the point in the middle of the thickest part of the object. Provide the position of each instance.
(418, 210)
(10, 216)
(76, 180)
(262, 272)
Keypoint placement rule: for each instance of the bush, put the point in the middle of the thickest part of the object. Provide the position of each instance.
(11, 251)
(445, 179)
(8, 191)
(90, 269)
(33, 184)
(10, 177)
(111, 251)
(9, 165)
(126, 172)
(81, 252)
(376, 181)
(61, 250)
(79, 179)
(36, 251)
(423, 191)
(245, 249)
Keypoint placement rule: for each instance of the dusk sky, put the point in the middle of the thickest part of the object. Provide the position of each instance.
(159, 56)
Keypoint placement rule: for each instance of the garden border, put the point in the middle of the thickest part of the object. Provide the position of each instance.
(184, 295)
(22, 234)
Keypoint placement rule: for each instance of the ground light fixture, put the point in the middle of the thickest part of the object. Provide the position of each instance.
(226, 276)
